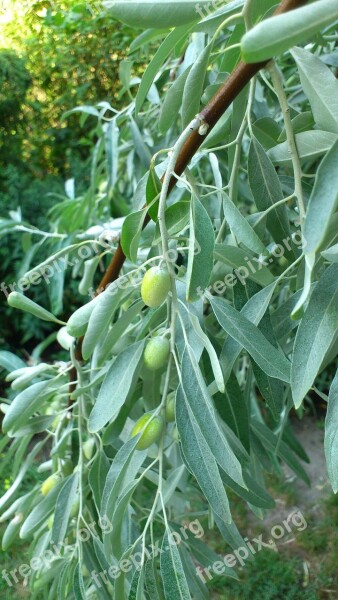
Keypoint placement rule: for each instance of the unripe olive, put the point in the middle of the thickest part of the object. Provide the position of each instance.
(170, 408)
(88, 448)
(67, 467)
(151, 433)
(156, 353)
(49, 484)
(74, 511)
(155, 286)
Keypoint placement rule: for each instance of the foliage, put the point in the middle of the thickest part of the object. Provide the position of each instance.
(53, 47)
(249, 240)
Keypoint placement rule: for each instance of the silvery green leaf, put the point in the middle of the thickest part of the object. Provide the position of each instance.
(275, 35)
(141, 13)
(318, 81)
(24, 405)
(253, 310)
(267, 190)
(197, 397)
(201, 247)
(200, 459)
(310, 145)
(316, 331)
(102, 314)
(115, 387)
(323, 201)
(63, 507)
(331, 434)
(17, 300)
(167, 46)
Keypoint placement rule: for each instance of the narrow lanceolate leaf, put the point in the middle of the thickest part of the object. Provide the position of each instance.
(310, 146)
(97, 476)
(233, 409)
(253, 310)
(201, 248)
(323, 201)
(331, 434)
(137, 585)
(241, 227)
(172, 102)
(153, 191)
(315, 334)
(24, 406)
(118, 329)
(245, 265)
(271, 389)
(197, 397)
(331, 254)
(63, 507)
(115, 387)
(194, 85)
(101, 316)
(111, 138)
(122, 471)
(215, 365)
(142, 14)
(10, 361)
(131, 233)
(40, 513)
(174, 581)
(79, 589)
(267, 190)
(17, 300)
(199, 458)
(161, 55)
(78, 321)
(272, 442)
(319, 83)
(270, 360)
(275, 35)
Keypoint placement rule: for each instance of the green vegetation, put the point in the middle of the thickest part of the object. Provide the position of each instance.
(168, 219)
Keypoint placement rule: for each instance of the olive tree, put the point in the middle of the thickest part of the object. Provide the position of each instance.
(208, 313)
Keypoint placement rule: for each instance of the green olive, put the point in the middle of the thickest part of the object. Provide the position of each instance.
(156, 353)
(170, 408)
(88, 448)
(74, 511)
(49, 484)
(155, 286)
(151, 432)
(67, 467)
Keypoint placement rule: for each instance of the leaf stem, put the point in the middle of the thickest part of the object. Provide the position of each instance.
(297, 171)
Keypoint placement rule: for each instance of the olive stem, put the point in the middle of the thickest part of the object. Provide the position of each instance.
(297, 171)
(193, 126)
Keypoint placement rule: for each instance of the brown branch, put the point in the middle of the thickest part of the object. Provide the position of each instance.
(211, 114)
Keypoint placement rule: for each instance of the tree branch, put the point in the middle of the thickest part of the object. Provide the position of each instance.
(211, 114)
